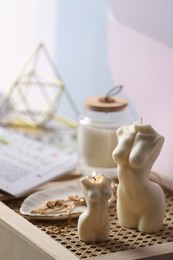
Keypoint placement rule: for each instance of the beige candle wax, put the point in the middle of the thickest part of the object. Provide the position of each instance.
(94, 223)
(96, 145)
(140, 202)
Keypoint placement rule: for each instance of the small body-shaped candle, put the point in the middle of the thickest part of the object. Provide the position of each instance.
(140, 202)
(94, 223)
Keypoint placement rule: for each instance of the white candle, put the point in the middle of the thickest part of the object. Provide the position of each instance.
(94, 223)
(140, 202)
(96, 133)
(95, 145)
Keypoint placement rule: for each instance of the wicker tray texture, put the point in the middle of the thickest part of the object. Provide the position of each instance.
(65, 233)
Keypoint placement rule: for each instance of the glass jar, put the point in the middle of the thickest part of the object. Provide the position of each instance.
(96, 135)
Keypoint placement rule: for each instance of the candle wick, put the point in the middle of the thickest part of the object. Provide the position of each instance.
(141, 120)
(94, 178)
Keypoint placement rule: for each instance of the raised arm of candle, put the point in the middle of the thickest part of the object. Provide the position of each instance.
(145, 150)
(85, 182)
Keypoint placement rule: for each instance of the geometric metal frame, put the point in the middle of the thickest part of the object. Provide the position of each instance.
(23, 79)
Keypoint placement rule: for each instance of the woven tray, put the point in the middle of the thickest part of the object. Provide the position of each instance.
(120, 239)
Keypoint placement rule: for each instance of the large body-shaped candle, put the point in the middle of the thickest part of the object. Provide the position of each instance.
(94, 223)
(140, 202)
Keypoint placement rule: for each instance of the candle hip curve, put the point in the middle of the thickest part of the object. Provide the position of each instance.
(140, 202)
(94, 222)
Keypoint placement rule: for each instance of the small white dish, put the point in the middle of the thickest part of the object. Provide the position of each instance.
(38, 199)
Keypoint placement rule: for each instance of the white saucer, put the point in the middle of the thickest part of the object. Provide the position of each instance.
(38, 199)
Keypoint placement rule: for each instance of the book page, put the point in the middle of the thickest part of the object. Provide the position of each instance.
(27, 163)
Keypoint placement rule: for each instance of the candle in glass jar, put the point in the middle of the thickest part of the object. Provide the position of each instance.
(96, 136)
(95, 145)
(140, 202)
(94, 223)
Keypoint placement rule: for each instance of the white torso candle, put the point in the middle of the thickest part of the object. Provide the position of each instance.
(140, 202)
(94, 223)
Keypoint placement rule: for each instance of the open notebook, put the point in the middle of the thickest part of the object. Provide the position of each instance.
(27, 163)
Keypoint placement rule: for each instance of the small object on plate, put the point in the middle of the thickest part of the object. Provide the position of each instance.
(60, 202)
(60, 206)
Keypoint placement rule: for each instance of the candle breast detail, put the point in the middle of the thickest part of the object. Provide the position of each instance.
(140, 202)
(94, 223)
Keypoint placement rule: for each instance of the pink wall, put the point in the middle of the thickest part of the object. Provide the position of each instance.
(145, 67)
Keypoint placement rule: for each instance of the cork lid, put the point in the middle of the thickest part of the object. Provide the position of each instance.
(108, 103)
